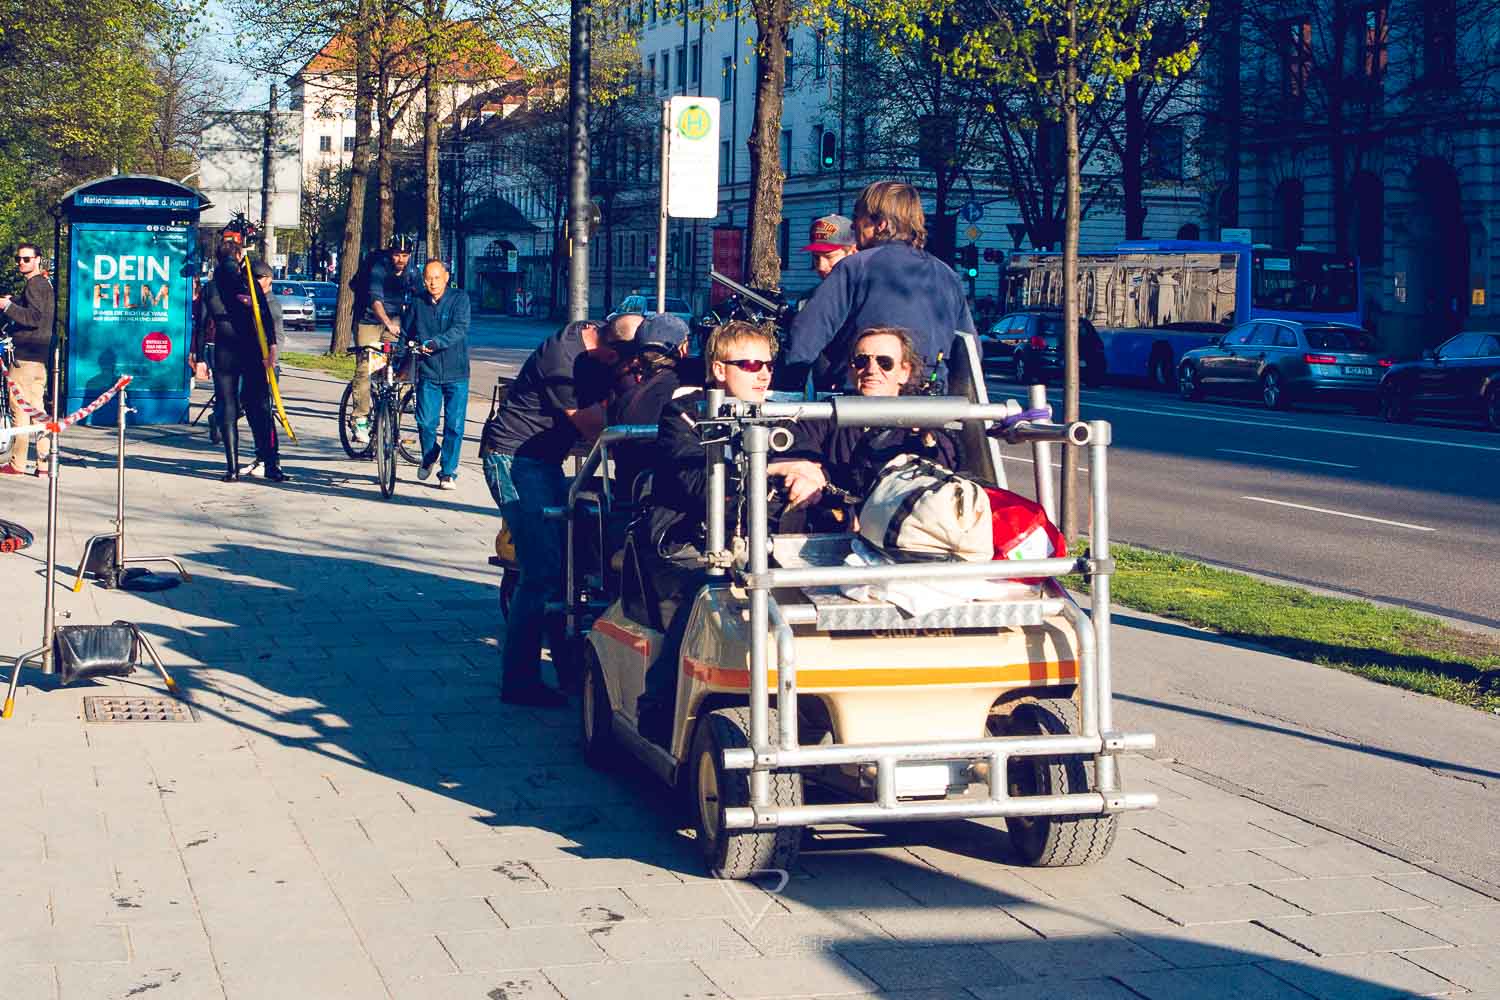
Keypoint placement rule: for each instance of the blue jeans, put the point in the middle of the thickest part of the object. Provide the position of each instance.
(521, 488)
(454, 399)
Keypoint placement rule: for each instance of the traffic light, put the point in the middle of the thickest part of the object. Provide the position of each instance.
(992, 255)
(968, 259)
(829, 151)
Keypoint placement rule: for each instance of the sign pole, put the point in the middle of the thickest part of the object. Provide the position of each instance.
(661, 221)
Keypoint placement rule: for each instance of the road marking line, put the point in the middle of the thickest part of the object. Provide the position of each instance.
(1028, 461)
(1262, 424)
(1285, 458)
(1340, 513)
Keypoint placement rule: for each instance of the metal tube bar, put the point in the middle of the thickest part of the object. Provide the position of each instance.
(661, 218)
(49, 611)
(1083, 803)
(786, 677)
(9, 707)
(1001, 569)
(1088, 661)
(1105, 773)
(757, 444)
(176, 563)
(827, 754)
(1041, 452)
(885, 782)
(586, 469)
(715, 455)
(120, 480)
(1075, 434)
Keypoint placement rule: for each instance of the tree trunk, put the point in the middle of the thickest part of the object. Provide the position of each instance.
(766, 178)
(430, 159)
(1068, 494)
(1132, 165)
(359, 179)
(383, 165)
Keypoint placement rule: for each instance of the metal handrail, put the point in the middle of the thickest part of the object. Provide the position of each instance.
(597, 456)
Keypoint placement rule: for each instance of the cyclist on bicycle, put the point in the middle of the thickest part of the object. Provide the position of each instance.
(384, 289)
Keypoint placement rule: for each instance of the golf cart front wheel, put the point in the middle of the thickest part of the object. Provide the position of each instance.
(597, 715)
(1052, 841)
(737, 854)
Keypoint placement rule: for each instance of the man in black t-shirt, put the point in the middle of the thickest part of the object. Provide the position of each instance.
(545, 413)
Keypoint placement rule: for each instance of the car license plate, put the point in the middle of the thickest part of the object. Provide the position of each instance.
(1358, 370)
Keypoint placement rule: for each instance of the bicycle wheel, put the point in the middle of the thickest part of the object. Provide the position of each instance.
(384, 437)
(408, 441)
(346, 426)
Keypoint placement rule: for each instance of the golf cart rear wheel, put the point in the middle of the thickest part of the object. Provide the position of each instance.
(346, 425)
(1052, 841)
(599, 745)
(737, 854)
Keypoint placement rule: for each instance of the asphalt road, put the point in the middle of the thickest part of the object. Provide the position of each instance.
(1407, 514)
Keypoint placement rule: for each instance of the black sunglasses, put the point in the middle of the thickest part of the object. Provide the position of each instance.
(22, 260)
(751, 365)
(862, 361)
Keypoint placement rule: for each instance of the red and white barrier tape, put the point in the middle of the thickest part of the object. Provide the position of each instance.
(61, 425)
(20, 401)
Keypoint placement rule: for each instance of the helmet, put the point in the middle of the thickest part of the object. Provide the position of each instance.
(402, 243)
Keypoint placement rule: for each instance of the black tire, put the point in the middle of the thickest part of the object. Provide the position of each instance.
(596, 715)
(742, 853)
(1161, 371)
(1394, 404)
(383, 436)
(408, 442)
(1188, 386)
(346, 426)
(1492, 408)
(1273, 391)
(1052, 841)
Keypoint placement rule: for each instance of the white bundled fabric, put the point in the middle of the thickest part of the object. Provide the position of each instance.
(918, 599)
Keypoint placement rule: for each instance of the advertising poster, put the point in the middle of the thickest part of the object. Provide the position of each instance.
(130, 313)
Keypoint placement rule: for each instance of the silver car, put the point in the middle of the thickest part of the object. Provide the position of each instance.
(298, 311)
(1284, 360)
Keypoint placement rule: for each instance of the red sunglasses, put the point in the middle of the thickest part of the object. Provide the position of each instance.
(751, 365)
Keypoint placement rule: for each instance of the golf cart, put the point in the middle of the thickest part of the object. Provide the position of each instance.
(981, 708)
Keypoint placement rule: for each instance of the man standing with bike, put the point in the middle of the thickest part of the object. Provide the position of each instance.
(29, 323)
(544, 415)
(439, 320)
(385, 286)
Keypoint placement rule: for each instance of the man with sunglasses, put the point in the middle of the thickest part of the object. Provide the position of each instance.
(29, 324)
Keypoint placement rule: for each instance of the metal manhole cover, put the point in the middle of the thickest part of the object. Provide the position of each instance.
(108, 708)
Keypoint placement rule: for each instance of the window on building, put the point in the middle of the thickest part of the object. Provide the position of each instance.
(1373, 29)
(725, 164)
(682, 67)
(1164, 153)
(727, 91)
(820, 55)
(324, 176)
(348, 143)
(1296, 57)
(651, 10)
(666, 69)
(325, 143)
(651, 71)
(786, 152)
(784, 241)
(697, 65)
(1439, 40)
(790, 62)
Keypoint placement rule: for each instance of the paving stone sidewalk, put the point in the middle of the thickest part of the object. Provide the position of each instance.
(354, 814)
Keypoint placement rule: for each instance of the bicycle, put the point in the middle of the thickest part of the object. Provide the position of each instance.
(389, 397)
(407, 442)
(7, 359)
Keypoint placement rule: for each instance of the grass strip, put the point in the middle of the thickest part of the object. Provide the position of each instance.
(1390, 645)
(341, 365)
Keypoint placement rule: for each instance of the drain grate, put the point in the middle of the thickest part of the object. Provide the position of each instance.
(107, 708)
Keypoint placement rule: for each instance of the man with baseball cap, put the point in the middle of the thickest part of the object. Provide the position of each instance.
(651, 373)
(831, 240)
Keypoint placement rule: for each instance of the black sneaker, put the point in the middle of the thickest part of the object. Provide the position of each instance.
(274, 474)
(535, 696)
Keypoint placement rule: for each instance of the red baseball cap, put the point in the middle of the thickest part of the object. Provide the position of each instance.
(831, 232)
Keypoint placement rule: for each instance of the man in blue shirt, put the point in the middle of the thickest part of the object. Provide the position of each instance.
(892, 281)
(439, 320)
(384, 288)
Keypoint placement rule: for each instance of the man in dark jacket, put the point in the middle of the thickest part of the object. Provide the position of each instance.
(240, 369)
(439, 320)
(29, 324)
(892, 281)
(384, 288)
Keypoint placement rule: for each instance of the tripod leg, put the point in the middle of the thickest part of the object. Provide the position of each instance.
(15, 676)
(156, 660)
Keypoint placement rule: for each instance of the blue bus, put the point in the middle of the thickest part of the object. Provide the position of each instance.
(1152, 300)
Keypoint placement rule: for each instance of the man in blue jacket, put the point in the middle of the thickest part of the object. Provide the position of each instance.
(439, 321)
(892, 281)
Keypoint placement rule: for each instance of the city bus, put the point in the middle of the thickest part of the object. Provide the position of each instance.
(1152, 300)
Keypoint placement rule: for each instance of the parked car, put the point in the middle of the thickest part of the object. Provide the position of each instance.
(298, 311)
(645, 305)
(325, 296)
(1461, 378)
(1030, 345)
(1285, 360)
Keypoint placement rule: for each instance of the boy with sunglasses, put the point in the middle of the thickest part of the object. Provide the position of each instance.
(29, 317)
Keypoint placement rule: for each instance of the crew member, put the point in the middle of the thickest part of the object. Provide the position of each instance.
(439, 321)
(241, 372)
(831, 240)
(892, 281)
(30, 318)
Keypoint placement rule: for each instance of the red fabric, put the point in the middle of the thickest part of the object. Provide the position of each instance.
(1015, 522)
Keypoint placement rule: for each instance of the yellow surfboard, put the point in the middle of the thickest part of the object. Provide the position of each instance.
(265, 350)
